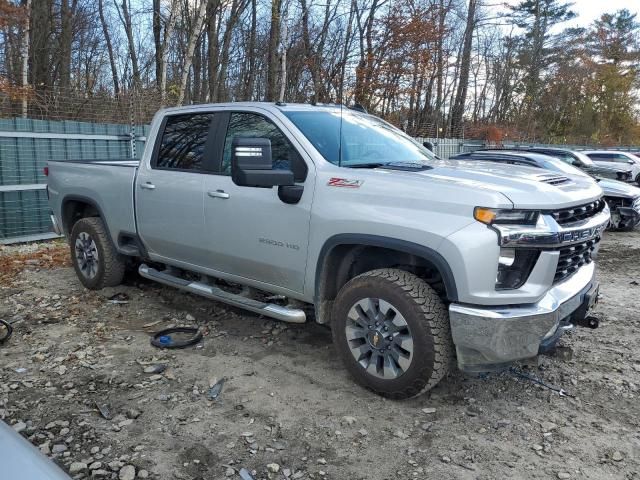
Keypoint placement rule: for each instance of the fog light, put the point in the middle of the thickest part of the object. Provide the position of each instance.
(514, 267)
(507, 256)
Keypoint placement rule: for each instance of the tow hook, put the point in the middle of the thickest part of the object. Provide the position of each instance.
(589, 321)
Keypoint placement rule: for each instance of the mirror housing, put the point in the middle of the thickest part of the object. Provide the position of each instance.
(252, 165)
(428, 145)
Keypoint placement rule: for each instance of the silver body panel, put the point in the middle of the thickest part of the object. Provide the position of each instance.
(19, 460)
(247, 235)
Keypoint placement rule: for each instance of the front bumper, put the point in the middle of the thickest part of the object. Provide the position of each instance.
(488, 338)
(625, 217)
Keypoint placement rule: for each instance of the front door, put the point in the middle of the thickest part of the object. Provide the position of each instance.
(169, 193)
(255, 234)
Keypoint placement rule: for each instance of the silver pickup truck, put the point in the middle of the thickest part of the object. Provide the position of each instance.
(412, 261)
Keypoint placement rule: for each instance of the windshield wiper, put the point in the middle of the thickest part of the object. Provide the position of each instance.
(367, 165)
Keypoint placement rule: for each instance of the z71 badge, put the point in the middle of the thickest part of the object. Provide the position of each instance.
(344, 182)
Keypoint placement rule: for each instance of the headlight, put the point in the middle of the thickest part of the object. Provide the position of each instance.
(514, 267)
(492, 216)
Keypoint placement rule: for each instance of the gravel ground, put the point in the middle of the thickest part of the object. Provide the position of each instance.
(288, 409)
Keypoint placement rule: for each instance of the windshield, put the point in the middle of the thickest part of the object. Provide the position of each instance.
(553, 163)
(366, 140)
(584, 159)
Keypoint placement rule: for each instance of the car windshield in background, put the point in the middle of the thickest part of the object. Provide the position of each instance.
(366, 140)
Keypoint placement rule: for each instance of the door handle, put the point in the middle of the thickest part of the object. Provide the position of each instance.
(218, 194)
(148, 186)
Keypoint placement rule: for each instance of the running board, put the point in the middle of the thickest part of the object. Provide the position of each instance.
(278, 312)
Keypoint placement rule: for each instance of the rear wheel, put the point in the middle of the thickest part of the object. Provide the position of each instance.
(392, 332)
(638, 179)
(95, 259)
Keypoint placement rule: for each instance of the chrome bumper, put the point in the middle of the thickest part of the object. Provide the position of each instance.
(56, 226)
(487, 338)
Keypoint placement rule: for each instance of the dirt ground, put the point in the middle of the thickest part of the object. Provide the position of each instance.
(288, 409)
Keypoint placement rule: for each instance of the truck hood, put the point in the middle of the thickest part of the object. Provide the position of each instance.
(525, 187)
(613, 188)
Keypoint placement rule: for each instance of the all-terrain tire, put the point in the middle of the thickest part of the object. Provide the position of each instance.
(109, 266)
(426, 317)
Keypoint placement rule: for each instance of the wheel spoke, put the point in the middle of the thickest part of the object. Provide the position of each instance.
(354, 333)
(391, 369)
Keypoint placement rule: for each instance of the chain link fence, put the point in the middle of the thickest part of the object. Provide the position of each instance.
(54, 125)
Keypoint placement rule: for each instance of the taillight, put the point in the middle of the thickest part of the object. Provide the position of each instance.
(46, 171)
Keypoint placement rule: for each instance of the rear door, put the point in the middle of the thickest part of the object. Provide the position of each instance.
(256, 235)
(169, 191)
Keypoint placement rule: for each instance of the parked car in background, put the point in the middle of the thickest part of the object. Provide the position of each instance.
(406, 257)
(623, 199)
(614, 171)
(609, 157)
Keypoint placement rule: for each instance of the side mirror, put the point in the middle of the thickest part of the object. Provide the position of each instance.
(428, 146)
(252, 165)
(631, 162)
(576, 163)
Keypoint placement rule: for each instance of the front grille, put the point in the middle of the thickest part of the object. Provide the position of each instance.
(570, 215)
(574, 257)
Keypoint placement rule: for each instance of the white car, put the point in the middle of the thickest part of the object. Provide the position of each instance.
(607, 157)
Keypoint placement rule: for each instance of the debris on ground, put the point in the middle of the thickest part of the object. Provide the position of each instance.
(216, 389)
(80, 380)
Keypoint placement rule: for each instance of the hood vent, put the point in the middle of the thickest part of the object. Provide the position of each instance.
(554, 179)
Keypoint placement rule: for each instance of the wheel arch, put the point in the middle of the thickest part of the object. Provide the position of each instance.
(75, 207)
(344, 256)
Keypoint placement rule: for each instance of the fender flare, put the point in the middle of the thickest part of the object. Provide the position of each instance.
(403, 246)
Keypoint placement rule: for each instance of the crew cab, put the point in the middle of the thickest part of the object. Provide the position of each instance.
(412, 261)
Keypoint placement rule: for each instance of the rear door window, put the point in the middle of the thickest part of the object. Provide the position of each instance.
(183, 142)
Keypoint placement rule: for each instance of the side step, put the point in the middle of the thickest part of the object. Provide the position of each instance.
(278, 312)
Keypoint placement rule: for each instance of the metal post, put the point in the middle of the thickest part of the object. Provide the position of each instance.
(132, 131)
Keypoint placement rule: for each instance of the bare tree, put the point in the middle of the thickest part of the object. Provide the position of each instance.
(196, 31)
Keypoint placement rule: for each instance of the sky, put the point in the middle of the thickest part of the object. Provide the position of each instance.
(589, 10)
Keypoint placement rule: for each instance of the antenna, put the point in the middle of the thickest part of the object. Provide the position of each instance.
(340, 138)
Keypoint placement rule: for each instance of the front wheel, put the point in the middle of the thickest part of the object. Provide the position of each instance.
(392, 333)
(95, 259)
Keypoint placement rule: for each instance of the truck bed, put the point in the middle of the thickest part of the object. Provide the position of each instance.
(107, 184)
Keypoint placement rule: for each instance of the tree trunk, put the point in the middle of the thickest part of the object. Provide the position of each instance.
(66, 38)
(272, 62)
(213, 28)
(25, 58)
(465, 66)
(249, 82)
(107, 38)
(157, 39)
(168, 31)
(128, 28)
(191, 46)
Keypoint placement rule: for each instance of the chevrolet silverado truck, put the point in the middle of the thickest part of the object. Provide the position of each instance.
(413, 262)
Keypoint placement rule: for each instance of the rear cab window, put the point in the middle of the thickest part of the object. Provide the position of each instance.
(183, 143)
